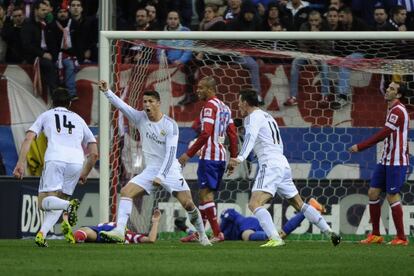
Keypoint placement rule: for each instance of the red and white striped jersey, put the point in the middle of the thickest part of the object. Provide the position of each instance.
(395, 136)
(396, 144)
(215, 123)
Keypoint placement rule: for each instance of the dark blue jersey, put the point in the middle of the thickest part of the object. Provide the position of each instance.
(233, 224)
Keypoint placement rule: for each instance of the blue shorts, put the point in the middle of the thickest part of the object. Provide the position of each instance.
(210, 173)
(101, 227)
(389, 178)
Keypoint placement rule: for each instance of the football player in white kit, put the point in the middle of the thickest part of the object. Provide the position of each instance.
(262, 134)
(66, 132)
(159, 134)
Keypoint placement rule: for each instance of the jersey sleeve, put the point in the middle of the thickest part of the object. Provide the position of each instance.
(395, 119)
(37, 126)
(170, 152)
(132, 114)
(208, 117)
(251, 126)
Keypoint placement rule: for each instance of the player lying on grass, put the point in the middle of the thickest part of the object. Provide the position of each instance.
(235, 226)
(91, 233)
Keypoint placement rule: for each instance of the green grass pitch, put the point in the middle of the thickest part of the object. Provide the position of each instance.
(23, 257)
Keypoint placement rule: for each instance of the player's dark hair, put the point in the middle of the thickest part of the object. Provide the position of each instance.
(250, 96)
(61, 97)
(403, 90)
(153, 93)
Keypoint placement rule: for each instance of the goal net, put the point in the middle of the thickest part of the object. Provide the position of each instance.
(325, 90)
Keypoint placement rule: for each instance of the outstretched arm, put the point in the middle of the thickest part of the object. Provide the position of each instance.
(377, 137)
(18, 171)
(131, 113)
(152, 235)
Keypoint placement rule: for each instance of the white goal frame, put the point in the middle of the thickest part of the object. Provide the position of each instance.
(105, 62)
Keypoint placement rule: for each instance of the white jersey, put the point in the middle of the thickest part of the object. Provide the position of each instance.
(261, 134)
(159, 139)
(66, 132)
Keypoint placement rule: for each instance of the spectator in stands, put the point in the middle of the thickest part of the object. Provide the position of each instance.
(212, 21)
(40, 45)
(332, 19)
(11, 35)
(299, 11)
(336, 4)
(184, 9)
(88, 32)
(274, 16)
(179, 58)
(247, 20)
(380, 18)
(347, 23)
(314, 24)
(49, 16)
(409, 7)
(67, 30)
(3, 45)
(397, 20)
(233, 10)
(365, 9)
(154, 22)
(142, 20)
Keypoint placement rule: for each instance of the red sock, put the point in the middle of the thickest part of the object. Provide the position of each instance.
(397, 216)
(375, 214)
(80, 236)
(203, 214)
(209, 208)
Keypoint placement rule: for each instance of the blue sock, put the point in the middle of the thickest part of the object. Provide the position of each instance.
(293, 223)
(258, 236)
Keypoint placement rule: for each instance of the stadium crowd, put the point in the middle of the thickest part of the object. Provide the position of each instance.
(57, 36)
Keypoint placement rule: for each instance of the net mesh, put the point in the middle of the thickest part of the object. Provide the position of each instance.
(338, 87)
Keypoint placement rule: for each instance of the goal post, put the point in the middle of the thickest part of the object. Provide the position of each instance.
(259, 44)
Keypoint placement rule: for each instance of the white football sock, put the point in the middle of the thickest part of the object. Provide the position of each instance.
(54, 203)
(266, 222)
(49, 220)
(195, 218)
(124, 211)
(315, 218)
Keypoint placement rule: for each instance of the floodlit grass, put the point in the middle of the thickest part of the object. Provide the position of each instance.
(23, 257)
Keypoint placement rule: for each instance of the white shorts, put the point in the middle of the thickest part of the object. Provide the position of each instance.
(60, 176)
(273, 178)
(174, 182)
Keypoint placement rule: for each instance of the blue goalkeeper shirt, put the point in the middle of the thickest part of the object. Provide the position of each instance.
(233, 224)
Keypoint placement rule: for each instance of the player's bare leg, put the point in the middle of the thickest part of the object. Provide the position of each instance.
(184, 197)
(314, 217)
(128, 192)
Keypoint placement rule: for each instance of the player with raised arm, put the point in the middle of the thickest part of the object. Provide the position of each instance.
(159, 134)
(215, 123)
(391, 172)
(66, 132)
(91, 233)
(275, 175)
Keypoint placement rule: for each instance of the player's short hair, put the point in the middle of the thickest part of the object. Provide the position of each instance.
(152, 93)
(210, 82)
(250, 96)
(403, 90)
(61, 97)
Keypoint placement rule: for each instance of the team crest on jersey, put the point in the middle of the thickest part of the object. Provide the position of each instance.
(208, 112)
(163, 133)
(393, 118)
